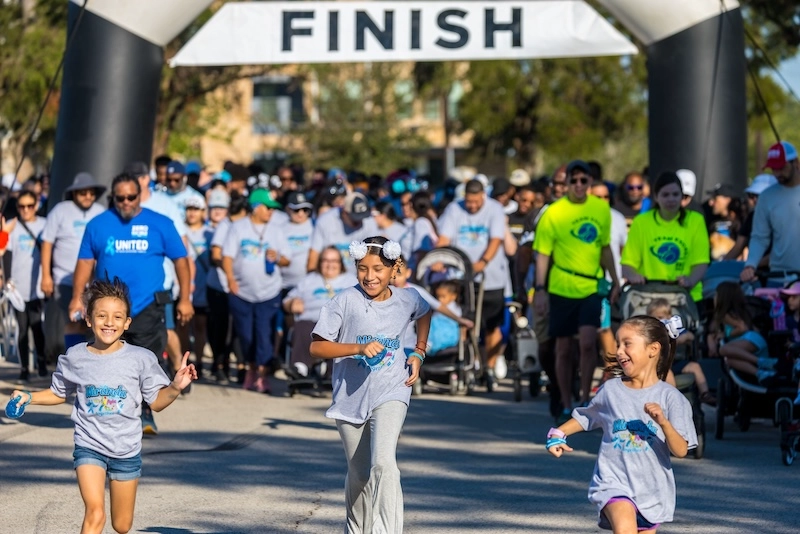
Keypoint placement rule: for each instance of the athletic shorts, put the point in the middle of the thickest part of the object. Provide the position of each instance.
(122, 469)
(568, 315)
(494, 307)
(641, 522)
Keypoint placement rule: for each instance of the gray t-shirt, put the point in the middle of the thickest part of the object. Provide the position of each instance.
(315, 291)
(775, 223)
(109, 390)
(362, 384)
(26, 266)
(216, 278)
(330, 230)
(65, 225)
(419, 235)
(298, 238)
(472, 233)
(198, 245)
(634, 460)
(247, 243)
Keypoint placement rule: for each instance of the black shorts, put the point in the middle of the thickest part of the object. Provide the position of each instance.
(568, 315)
(149, 330)
(493, 311)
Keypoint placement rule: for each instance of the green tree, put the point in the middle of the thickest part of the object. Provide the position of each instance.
(31, 44)
(358, 125)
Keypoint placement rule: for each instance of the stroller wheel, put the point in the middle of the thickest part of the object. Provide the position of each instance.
(535, 384)
(517, 389)
(789, 453)
(722, 402)
(453, 383)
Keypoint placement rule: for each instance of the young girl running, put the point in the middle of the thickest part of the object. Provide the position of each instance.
(111, 379)
(362, 327)
(644, 419)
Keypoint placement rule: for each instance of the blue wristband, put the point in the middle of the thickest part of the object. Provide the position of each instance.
(552, 442)
(416, 354)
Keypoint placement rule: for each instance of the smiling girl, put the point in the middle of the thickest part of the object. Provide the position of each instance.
(362, 329)
(110, 379)
(643, 419)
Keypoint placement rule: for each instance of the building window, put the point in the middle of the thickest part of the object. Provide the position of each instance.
(404, 98)
(277, 104)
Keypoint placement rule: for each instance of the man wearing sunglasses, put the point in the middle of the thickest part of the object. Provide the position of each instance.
(61, 240)
(631, 196)
(573, 250)
(131, 243)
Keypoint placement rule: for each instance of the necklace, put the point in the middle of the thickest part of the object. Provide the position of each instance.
(368, 301)
(259, 234)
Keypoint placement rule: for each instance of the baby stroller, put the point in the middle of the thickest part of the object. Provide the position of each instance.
(454, 366)
(524, 352)
(740, 394)
(635, 299)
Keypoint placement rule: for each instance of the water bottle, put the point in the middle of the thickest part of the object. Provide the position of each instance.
(12, 410)
(269, 266)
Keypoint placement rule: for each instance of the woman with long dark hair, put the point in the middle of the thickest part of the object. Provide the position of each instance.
(668, 242)
(422, 232)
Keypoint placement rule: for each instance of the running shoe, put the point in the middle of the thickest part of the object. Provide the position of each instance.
(500, 367)
(148, 423)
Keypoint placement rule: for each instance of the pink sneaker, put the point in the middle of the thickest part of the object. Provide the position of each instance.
(262, 384)
(249, 380)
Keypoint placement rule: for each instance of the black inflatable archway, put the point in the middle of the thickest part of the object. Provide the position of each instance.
(695, 59)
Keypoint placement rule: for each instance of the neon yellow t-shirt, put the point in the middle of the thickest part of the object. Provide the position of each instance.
(665, 250)
(574, 235)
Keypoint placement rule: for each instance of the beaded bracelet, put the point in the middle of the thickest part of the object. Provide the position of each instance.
(416, 354)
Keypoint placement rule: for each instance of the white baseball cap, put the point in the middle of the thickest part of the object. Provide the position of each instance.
(688, 181)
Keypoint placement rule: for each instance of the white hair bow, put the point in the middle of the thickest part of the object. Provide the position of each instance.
(674, 326)
(390, 250)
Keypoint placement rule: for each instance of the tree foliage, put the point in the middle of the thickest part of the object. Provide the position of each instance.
(31, 46)
(358, 125)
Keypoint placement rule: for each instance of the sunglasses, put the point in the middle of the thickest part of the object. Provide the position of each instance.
(122, 198)
(25, 206)
(634, 187)
(582, 181)
(85, 192)
(303, 210)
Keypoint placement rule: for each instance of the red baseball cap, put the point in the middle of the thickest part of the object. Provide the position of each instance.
(779, 155)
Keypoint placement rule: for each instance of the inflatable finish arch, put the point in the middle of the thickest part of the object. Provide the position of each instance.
(695, 60)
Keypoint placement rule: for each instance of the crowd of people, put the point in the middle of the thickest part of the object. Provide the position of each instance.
(175, 258)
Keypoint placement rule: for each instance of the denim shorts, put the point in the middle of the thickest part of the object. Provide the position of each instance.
(122, 469)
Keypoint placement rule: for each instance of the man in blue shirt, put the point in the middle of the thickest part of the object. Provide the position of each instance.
(131, 242)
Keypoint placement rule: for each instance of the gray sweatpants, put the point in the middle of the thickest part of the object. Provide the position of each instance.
(373, 494)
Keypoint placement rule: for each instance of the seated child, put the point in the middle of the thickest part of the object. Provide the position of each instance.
(447, 312)
(662, 310)
(791, 298)
(743, 348)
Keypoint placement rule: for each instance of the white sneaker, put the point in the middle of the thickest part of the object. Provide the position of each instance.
(500, 367)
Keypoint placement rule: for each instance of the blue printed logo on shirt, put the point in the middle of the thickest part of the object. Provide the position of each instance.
(473, 235)
(587, 232)
(634, 436)
(105, 400)
(668, 253)
(384, 358)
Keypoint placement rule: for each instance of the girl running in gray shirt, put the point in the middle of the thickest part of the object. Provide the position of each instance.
(644, 419)
(110, 379)
(362, 329)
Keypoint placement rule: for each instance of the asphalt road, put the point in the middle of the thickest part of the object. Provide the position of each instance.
(230, 461)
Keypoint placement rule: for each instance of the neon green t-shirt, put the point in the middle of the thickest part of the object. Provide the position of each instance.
(574, 235)
(665, 250)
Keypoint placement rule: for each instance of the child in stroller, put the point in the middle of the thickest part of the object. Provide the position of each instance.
(740, 344)
(791, 301)
(661, 309)
(446, 322)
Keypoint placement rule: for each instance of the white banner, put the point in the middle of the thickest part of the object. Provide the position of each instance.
(273, 33)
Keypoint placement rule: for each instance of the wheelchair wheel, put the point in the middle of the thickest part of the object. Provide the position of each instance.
(722, 402)
(517, 388)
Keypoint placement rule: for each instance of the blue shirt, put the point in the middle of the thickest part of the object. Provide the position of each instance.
(133, 251)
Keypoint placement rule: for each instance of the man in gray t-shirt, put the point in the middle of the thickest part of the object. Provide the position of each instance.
(61, 240)
(339, 227)
(477, 226)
